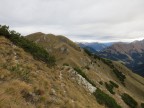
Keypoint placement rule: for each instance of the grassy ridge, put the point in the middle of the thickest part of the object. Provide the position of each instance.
(38, 52)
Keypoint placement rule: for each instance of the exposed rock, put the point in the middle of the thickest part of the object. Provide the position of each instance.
(81, 80)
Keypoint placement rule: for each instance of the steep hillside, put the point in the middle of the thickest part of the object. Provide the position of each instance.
(96, 70)
(131, 54)
(65, 50)
(78, 79)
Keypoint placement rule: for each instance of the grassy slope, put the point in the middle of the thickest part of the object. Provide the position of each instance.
(54, 44)
(98, 71)
(42, 86)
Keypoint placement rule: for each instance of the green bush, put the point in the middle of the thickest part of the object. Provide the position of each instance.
(105, 99)
(101, 83)
(107, 62)
(120, 76)
(38, 52)
(142, 105)
(65, 64)
(109, 87)
(114, 84)
(96, 57)
(88, 52)
(4, 30)
(129, 100)
(83, 75)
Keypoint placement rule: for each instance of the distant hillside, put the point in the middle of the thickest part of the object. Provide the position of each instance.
(131, 54)
(94, 46)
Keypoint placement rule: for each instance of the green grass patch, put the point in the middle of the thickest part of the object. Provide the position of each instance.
(114, 84)
(129, 100)
(120, 76)
(110, 86)
(104, 99)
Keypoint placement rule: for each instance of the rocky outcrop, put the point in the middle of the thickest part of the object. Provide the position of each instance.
(80, 80)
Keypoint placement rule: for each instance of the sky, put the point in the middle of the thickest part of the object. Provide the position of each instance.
(79, 20)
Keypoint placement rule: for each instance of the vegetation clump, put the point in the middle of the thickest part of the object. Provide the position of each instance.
(105, 99)
(114, 84)
(120, 76)
(129, 100)
(101, 83)
(90, 54)
(110, 86)
(65, 64)
(142, 105)
(38, 52)
(108, 62)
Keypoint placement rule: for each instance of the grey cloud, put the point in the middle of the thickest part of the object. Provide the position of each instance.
(80, 20)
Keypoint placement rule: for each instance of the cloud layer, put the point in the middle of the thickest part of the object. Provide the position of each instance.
(79, 20)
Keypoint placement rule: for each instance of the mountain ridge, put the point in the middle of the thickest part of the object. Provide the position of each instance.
(132, 54)
(77, 80)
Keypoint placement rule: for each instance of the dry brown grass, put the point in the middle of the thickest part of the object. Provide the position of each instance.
(45, 89)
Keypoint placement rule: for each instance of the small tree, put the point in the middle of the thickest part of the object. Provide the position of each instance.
(4, 30)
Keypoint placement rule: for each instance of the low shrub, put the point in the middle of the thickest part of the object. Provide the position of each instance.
(109, 87)
(65, 64)
(88, 52)
(105, 99)
(129, 100)
(142, 105)
(96, 57)
(108, 62)
(114, 84)
(101, 83)
(120, 76)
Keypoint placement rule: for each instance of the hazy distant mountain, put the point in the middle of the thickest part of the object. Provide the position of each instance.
(132, 54)
(94, 46)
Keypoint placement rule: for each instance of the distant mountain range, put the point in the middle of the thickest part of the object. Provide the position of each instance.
(131, 54)
(94, 46)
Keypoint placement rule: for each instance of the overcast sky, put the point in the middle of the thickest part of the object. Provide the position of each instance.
(79, 20)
